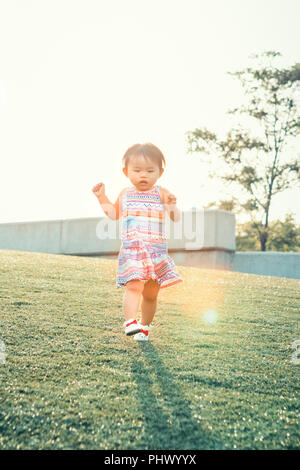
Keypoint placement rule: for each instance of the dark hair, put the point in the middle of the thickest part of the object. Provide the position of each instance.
(147, 150)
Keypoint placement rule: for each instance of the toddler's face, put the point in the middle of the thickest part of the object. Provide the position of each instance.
(142, 172)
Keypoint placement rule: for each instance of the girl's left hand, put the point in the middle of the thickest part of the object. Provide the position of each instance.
(171, 199)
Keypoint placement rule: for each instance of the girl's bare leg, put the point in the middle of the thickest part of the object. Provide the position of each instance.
(149, 301)
(131, 298)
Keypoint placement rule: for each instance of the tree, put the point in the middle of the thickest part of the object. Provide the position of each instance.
(259, 163)
(229, 205)
(246, 237)
(283, 236)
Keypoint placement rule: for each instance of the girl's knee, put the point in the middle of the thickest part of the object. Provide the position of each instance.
(151, 290)
(135, 286)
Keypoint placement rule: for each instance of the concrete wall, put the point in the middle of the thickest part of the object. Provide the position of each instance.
(100, 235)
(201, 238)
(269, 263)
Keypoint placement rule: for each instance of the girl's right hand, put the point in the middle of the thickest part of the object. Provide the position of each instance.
(99, 189)
(171, 199)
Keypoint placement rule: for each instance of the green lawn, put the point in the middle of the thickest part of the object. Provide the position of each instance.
(73, 380)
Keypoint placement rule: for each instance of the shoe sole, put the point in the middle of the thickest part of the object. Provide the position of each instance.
(133, 332)
(144, 339)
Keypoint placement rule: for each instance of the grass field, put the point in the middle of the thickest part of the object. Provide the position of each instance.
(217, 373)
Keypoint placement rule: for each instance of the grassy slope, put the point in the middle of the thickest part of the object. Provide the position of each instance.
(73, 380)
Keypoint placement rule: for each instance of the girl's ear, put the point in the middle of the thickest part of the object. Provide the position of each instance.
(125, 171)
(161, 172)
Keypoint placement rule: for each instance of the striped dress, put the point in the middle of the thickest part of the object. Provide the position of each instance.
(144, 254)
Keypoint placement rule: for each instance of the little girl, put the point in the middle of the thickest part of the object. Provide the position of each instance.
(144, 266)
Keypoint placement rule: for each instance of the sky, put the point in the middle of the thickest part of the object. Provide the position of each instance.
(83, 80)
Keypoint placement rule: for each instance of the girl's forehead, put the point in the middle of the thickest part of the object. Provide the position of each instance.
(141, 162)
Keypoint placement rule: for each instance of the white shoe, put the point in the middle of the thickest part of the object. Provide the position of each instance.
(143, 335)
(131, 326)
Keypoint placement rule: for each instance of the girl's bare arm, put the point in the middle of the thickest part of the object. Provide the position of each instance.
(110, 209)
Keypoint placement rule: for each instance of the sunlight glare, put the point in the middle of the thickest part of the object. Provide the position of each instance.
(210, 317)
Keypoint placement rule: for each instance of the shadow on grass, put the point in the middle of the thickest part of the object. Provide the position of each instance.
(168, 418)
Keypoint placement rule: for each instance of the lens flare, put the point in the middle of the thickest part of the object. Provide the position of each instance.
(210, 317)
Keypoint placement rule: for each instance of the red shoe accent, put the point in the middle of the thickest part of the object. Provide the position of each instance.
(146, 332)
(131, 323)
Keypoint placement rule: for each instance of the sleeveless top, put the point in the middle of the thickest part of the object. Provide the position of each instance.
(143, 219)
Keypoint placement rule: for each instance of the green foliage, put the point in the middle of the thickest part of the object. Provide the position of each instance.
(246, 238)
(283, 236)
(225, 205)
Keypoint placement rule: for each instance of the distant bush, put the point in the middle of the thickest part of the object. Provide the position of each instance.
(283, 236)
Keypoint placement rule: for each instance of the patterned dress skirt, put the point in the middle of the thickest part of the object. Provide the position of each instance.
(146, 261)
